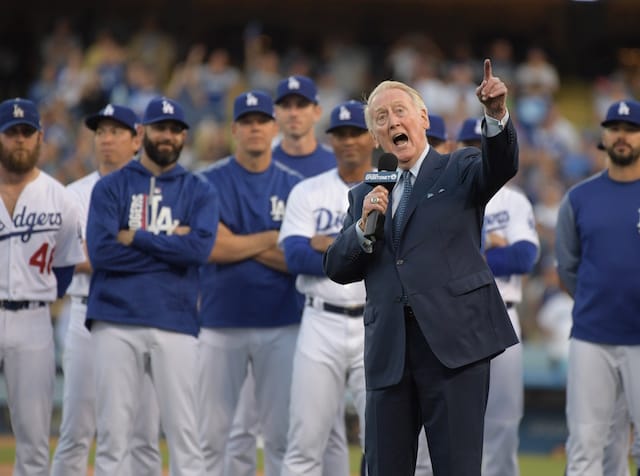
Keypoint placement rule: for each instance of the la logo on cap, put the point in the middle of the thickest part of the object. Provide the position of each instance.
(293, 83)
(344, 114)
(478, 127)
(623, 109)
(251, 100)
(167, 108)
(108, 110)
(18, 111)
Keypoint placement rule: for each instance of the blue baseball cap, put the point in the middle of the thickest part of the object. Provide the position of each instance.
(436, 130)
(627, 110)
(300, 85)
(252, 101)
(164, 109)
(471, 130)
(120, 114)
(350, 113)
(18, 111)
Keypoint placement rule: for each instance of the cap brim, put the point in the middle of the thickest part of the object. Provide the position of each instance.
(346, 124)
(92, 122)
(18, 122)
(279, 99)
(166, 119)
(246, 113)
(613, 121)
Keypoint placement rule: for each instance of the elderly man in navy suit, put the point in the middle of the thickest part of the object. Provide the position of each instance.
(434, 317)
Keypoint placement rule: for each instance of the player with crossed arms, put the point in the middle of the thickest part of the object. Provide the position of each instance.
(41, 242)
(117, 138)
(329, 352)
(150, 226)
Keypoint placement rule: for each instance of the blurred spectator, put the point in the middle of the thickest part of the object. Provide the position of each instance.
(140, 86)
(152, 46)
(222, 81)
(58, 45)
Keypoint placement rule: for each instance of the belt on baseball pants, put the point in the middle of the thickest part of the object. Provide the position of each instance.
(353, 311)
(20, 305)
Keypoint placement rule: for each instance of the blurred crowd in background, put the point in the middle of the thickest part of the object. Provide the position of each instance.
(78, 77)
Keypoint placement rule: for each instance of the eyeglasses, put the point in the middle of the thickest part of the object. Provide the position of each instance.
(172, 127)
(20, 129)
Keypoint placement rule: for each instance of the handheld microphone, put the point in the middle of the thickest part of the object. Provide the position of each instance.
(387, 177)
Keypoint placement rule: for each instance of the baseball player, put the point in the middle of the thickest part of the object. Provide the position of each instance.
(117, 139)
(250, 309)
(151, 225)
(512, 248)
(297, 112)
(41, 240)
(329, 352)
(598, 250)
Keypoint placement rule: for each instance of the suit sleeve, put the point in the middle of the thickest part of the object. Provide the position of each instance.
(194, 247)
(499, 161)
(345, 261)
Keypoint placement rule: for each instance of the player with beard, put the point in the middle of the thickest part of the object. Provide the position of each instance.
(598, 254)
(151, 224)
(117, 139)
(37, 215)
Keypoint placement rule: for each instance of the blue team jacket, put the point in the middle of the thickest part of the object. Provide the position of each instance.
(153, 282)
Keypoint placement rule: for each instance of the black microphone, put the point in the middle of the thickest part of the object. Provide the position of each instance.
(387, 177)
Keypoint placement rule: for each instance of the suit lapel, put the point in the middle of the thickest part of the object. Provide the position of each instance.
(431, 168)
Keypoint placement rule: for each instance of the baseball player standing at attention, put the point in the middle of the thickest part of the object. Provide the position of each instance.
(329, 351)
(598, 254)
(250, 309)
(41, 240)
(151, 225)
(297, 111)
(117, 139)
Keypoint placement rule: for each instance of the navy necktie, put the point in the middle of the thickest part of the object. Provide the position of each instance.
(398, 218)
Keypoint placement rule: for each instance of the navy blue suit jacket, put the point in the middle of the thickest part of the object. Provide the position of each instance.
(439, 263)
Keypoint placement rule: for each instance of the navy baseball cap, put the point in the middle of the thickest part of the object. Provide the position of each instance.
(471, 130)
(350, 113)
(436, 130)
(120, 114)
(164, 109)
(623, 111)
(252, 101)
(300, 85)
(18, 111)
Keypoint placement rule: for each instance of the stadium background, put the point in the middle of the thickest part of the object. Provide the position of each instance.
(592, 45)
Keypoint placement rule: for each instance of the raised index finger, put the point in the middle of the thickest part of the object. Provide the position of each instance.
(488, 73)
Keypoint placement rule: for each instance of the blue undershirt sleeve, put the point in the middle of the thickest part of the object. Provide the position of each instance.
(517, 258)
(301, 258)
(64, 274)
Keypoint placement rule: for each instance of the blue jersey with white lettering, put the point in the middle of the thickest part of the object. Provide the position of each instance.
(318, 161)
(154, 281)
(598, 253)
(248, 293)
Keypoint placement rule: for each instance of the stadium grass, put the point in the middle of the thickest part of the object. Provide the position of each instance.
(530, 464)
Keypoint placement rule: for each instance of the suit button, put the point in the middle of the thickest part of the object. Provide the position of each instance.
(400, 262)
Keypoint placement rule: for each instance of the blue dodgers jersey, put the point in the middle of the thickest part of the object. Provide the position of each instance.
(320, 160)
(607, 301)
(248, 293)
(154, 281)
